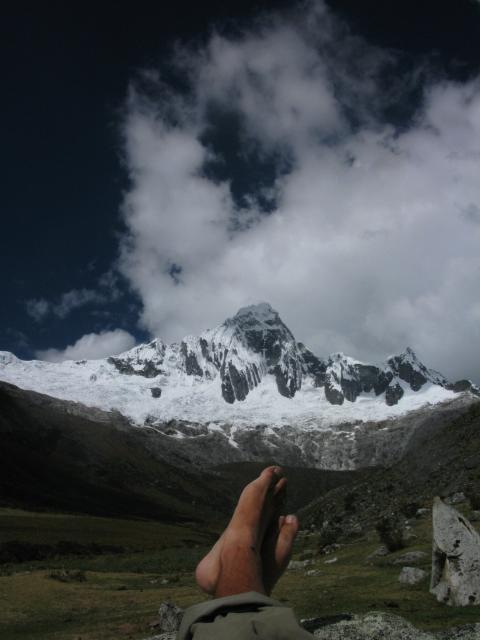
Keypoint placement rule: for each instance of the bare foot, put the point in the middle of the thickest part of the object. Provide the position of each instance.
(234, 564)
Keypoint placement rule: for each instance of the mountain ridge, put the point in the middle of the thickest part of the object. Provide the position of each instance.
(246, 371)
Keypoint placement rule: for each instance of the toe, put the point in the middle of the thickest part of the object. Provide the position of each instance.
(286, 537)
(256, 503)
(269, 477)
(280, 491)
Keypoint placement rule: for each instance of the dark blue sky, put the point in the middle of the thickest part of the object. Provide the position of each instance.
(66, 68)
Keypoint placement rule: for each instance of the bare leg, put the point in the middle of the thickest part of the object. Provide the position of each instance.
(245, 558)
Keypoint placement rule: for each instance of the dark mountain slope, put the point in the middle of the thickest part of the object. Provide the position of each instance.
(60, 455)
(441, 458)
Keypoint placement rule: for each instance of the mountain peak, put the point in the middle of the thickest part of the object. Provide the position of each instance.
(410, 354)
(262, 312)
(260, 322)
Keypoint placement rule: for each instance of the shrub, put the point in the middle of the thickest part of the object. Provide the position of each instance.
(391, 531)
(473, 496)
(409, 509)
(350, 501)
(328, 535)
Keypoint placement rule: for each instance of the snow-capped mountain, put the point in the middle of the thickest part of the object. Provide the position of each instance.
(248, 371)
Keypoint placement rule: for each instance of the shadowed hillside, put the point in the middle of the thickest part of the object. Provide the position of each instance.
(57, 455)
(441, 459)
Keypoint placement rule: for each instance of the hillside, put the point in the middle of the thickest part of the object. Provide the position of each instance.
(60, 455)
(442, 458)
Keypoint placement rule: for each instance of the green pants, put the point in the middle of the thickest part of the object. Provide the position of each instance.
(242, 617)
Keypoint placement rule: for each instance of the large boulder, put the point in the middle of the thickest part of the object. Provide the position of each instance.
(455, 558)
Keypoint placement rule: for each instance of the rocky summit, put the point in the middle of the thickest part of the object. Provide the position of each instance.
(255, 343)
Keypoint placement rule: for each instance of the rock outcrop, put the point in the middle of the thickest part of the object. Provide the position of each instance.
(455, 558)
(380, 626)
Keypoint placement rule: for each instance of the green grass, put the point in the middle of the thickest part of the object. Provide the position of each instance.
(35, 607)
(121, 594)
(47, 528)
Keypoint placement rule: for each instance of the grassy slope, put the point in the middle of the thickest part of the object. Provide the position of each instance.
(122, 593)
(58, 456)
(119, 589)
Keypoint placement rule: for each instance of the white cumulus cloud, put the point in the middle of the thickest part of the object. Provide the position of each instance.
(91, 346)
(373, 240)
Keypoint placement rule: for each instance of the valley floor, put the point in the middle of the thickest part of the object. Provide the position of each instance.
(112, 595)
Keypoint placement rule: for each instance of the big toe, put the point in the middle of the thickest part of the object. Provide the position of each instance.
(255, 506)
(269, 477)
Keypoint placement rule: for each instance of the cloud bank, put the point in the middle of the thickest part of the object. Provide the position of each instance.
(370, 240)
(91, 346)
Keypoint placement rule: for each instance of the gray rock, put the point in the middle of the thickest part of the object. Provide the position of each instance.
(466, 632)
(393, 394)
(297, 565)
(378, 553)
(410, 558)
(332, 394)
(156, 392)
(169, 618)
(411, 575)
(138, 367)
(372, 626)
(463, 385)
(313, 572)
(330, 561)
(381, 626)
(329, 548)
(475, 516)
(455, 558)
(456, 498)
(190, 362)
